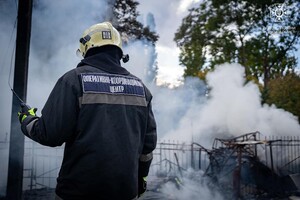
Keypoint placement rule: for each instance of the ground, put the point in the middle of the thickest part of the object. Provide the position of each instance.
(49, 194)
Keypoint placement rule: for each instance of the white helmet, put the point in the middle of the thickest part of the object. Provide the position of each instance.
(99, 35)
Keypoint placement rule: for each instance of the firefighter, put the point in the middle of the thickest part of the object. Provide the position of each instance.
(103, 114)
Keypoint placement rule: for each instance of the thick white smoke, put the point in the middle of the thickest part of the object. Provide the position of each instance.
(240, 106)
(232, 108)
(169, 105)
(193, 186)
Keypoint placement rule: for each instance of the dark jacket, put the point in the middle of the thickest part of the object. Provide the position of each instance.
(103, 115)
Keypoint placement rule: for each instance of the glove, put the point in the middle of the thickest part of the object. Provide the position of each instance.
(25, 112)
(142, 185)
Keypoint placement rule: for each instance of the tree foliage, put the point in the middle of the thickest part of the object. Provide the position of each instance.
(284, 92)
(240, 31)
(125, 20)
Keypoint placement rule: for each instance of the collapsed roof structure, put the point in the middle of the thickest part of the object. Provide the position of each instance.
(243, 167)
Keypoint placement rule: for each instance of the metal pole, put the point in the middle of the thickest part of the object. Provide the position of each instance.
(255, 146)
(237, 174)
(271, 157)
(179, 168)
(16, 147)
(160, 157)
(200, 159)
(32, 175)
(192, 156)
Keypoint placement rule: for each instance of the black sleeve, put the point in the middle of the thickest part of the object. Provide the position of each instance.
(149, 144)
(151, 135)
(59, 116)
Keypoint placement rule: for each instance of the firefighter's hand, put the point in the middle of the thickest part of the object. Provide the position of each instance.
(142, 185)
(25, 112)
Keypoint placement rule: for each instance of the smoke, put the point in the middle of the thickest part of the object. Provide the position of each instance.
(241, 108)
(191, 187)
(232, 108)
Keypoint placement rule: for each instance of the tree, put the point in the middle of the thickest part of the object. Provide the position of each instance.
(284, 92)
(243, 31)
(151, 51)
(125, 20)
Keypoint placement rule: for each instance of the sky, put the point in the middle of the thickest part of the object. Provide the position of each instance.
(168, 15)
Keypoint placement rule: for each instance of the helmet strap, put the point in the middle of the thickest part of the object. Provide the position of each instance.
(125, 58)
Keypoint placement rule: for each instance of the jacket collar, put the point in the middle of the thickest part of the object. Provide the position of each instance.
(105, 62)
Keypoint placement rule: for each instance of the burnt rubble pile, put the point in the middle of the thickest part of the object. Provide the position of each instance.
(243, 167)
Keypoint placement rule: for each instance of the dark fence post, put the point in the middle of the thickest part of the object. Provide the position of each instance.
(192, 156)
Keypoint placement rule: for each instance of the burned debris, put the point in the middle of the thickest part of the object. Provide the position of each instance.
(243, 167)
